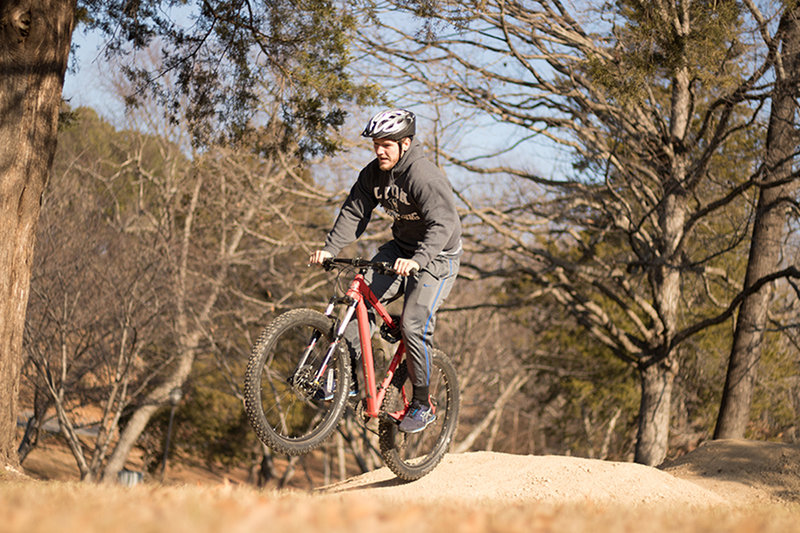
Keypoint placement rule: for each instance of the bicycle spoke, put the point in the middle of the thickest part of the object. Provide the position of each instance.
(287, 406)
(411, 456)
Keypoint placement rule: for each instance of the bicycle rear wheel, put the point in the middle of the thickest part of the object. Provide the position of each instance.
(413, 455)
(287, 399)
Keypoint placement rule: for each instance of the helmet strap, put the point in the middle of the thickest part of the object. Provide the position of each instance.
(400, 146)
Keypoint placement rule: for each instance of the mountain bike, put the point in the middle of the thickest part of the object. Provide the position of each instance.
(298, 381)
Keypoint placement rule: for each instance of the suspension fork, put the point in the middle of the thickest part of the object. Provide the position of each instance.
(334, 342)
(338, 334)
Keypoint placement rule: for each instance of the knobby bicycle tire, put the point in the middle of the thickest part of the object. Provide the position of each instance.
(287, 409)
(412, 456)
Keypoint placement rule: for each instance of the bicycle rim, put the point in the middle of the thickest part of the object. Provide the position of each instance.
(413, 455)
(285, 402)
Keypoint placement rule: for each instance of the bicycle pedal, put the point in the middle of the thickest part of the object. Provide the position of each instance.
(392, 335)
(388, 418)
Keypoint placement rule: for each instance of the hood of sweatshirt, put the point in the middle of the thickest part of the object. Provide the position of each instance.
(413, 153)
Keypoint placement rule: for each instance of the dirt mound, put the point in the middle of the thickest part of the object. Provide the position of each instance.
(479, 478)
(711, 489)
(717, 473)
(743, 470)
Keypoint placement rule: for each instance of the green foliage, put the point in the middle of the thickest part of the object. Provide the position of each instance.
(776, 398)
(212, 423)
(221, 60)
(91, 145)
(579, 386)
(209, 426)
(648, 43)
(701, 361)
(595, 387)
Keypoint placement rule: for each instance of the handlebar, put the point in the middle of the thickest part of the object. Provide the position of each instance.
(381, 267)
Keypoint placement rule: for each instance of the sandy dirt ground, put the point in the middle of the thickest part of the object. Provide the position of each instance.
(718, 473)
(738, 486)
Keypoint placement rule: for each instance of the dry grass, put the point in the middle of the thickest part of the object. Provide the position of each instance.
(466, 484)
(34, 506)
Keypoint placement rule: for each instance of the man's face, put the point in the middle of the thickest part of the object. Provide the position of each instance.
(388, 151)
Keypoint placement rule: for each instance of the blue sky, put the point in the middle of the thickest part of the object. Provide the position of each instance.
(86, 82)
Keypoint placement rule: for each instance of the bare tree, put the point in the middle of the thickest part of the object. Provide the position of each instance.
(656, 104)
(225, 213)
(94, 311)
(151, 258)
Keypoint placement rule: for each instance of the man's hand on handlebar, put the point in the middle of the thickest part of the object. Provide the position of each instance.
(318, 257)
(402, 267)
(405, 267)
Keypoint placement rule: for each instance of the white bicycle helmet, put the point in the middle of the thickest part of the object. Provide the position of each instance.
(393, 124)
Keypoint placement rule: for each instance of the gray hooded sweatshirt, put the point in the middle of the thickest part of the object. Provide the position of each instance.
(416, 195)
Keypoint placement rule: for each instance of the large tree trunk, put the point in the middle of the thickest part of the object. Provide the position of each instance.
(35, 38)
(776, 196)
(657, 370)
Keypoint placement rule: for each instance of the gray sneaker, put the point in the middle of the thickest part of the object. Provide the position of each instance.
(418, 417)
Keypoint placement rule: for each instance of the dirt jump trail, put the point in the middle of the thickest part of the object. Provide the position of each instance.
(717, 473)
(741, 486)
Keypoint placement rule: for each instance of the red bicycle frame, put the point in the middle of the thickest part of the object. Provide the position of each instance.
(359, 294)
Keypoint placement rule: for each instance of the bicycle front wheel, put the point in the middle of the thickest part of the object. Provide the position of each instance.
(292, 401)
(413, 455)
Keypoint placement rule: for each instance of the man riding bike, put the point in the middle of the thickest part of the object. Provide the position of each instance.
(425, 248)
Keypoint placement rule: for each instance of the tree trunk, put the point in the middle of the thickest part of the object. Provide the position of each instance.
(41, 403)
(776, 196)
(35, 38)
(654, 414)
(657, 371)
(142, 415)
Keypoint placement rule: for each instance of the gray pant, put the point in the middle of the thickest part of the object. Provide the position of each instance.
(424, 293)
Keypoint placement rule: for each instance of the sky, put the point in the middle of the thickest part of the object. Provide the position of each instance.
(87, 83)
